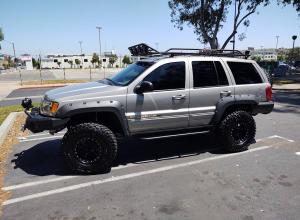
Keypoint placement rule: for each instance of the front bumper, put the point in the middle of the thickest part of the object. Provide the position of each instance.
(264, 107)
(38, 123)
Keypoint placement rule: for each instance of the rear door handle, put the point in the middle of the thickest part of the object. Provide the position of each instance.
(225, 93)
(178, 97)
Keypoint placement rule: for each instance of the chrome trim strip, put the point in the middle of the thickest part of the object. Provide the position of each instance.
(169, 111)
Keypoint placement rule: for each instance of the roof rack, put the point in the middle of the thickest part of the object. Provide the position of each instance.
(145, 50)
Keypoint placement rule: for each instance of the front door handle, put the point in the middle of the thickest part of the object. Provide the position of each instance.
(178, 97)
(225, 93)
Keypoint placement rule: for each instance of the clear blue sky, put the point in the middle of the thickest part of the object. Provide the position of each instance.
(56, 26)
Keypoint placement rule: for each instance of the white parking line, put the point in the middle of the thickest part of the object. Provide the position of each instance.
(286, 139)
(40, 182)
(126, 176)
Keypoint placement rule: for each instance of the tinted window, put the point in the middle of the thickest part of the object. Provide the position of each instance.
(221, 74)
(244, 73)
(204, 73)
(168, 76)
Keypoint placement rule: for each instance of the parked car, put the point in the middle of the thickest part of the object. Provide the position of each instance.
(281, 70)
(169, 94)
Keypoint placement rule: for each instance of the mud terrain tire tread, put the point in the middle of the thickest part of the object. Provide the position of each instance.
(96, 131)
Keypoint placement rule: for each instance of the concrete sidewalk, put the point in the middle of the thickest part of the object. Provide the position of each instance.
(7, 87)
(294, 86)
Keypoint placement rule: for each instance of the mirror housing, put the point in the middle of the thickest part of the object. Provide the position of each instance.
(144, 86)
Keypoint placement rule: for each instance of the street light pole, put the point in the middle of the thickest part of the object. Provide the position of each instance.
(277, 41)
(80, 43)
(99, 30)
(13, 45)
(294, 37)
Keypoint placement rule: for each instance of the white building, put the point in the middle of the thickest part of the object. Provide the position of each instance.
(26, 61)
(57, 61)
(265, 54)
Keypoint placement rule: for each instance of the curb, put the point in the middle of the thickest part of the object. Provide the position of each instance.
(6, 125)
(44, 86)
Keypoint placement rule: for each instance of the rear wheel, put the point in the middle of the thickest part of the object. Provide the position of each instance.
(89, 148)
(237, 131)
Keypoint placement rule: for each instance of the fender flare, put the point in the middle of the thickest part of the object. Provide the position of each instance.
(72, 109)
(226, 102)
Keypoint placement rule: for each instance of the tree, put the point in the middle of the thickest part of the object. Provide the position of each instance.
(35, 63)
(1, 35)
(126, 60)
(256, 58)
(95, 59)
(77, 62)
(294, 55)
(280, 57)
(112, 59)
(59, 63)
(71, 63)
(209, 16)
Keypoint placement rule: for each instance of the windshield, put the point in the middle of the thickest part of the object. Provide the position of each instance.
(127, 75)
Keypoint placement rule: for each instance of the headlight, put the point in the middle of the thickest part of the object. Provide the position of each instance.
(48, 107)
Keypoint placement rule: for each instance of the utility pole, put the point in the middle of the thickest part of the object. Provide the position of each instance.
(277, 41)
(40, 58)
(80, 43)
(294, 37)
(13, 46)
(99, 30)
(156, 45)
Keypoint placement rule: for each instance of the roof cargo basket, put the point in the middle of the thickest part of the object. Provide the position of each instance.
(142, 50)
(145, 50)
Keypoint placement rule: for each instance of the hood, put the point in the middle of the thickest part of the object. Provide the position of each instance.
(83, 91)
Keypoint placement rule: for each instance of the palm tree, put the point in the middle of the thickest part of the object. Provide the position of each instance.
(71, 63)
(77, 61)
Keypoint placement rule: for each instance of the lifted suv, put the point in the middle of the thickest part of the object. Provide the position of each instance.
(166, 94)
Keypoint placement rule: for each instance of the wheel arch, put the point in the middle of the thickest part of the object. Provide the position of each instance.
(230, 104)
(109, 113)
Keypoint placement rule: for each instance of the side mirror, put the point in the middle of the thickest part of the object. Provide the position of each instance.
(145, 86)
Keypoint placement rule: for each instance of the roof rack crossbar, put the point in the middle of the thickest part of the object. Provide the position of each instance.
(145, 50)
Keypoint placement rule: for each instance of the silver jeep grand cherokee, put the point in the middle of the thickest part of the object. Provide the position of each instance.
(180, 91)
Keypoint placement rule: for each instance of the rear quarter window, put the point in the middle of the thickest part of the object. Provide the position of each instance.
(244, 73)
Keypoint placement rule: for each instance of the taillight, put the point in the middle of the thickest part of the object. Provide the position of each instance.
(269, 92)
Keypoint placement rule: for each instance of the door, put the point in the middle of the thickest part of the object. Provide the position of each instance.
(209, 84)
(164, 108)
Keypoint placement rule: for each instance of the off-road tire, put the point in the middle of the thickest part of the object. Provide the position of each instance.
(237, 131)
(89, 148)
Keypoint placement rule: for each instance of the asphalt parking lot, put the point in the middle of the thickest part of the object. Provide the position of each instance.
(176, 178)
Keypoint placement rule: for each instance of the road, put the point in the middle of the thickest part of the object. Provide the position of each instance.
(176, 178)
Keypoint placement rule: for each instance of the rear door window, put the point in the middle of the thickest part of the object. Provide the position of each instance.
(244, 73)
(208, 74)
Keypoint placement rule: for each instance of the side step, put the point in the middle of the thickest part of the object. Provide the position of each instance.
(174, 135)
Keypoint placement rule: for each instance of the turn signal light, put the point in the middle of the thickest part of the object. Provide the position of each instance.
(54, 107)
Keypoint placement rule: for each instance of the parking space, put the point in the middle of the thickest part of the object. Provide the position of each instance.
(178, 178)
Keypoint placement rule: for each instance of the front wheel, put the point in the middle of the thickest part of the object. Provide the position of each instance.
(237, 131)
(89, 148)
